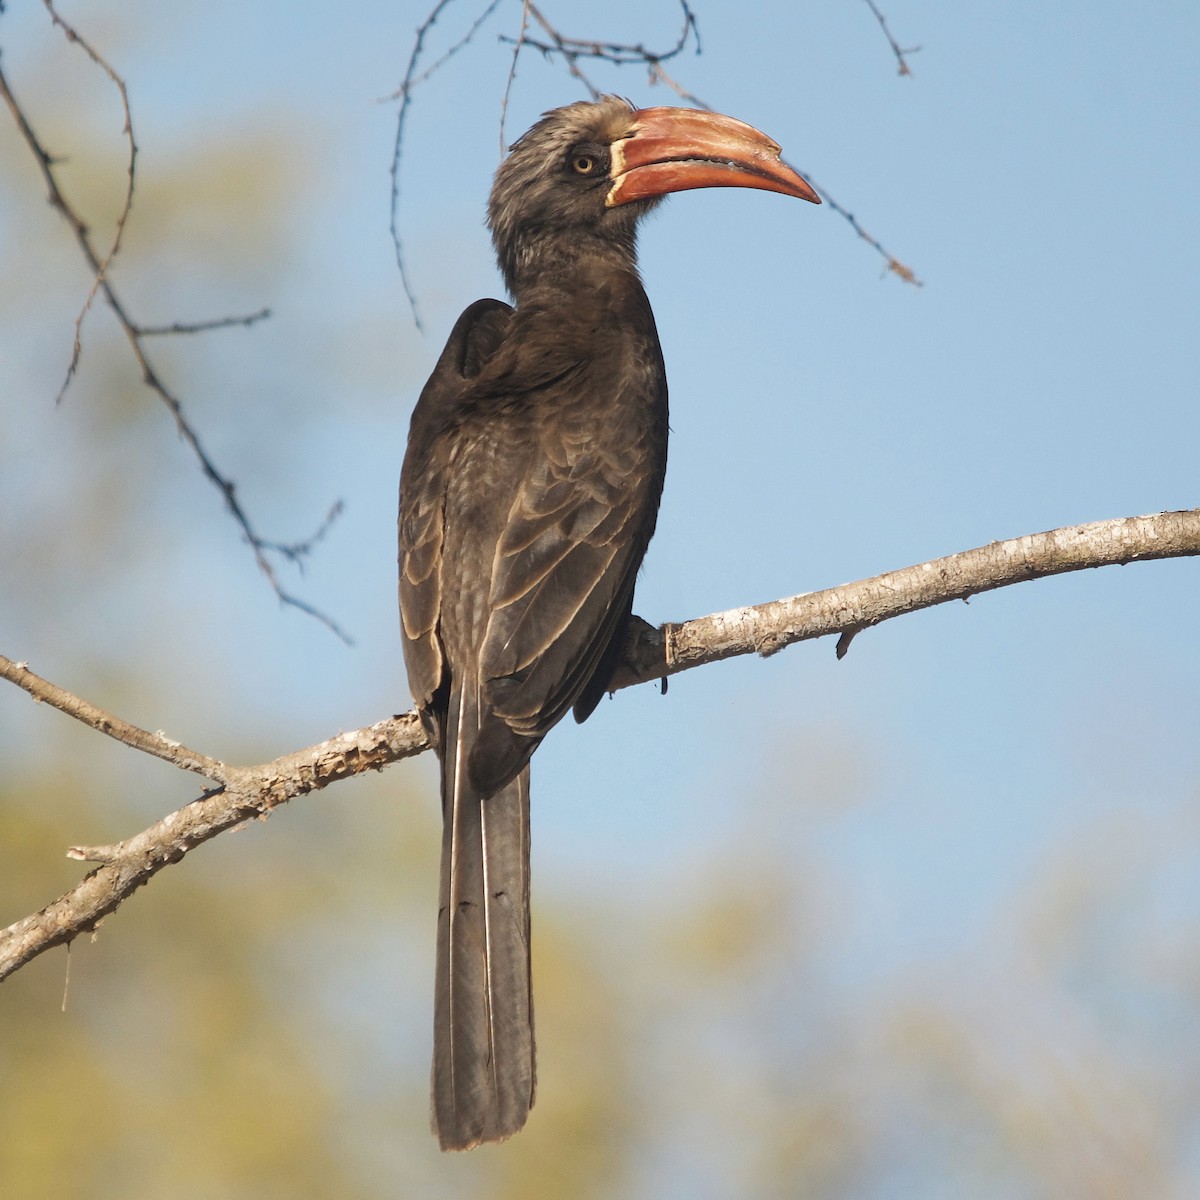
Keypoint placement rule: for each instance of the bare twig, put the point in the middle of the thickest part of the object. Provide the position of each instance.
(297, 552)
(512, 72)
(404, 93)
(569, 56)
(887, 33)
(412, 79)
(618, 53)
(659, 75)
(894, 265)
(135, 335)
(649, 654)
(185, 327)
(430, 71)
(100, 264)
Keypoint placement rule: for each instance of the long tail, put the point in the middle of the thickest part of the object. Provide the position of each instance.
(483, 1054)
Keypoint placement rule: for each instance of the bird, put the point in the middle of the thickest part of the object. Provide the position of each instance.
(529, 492)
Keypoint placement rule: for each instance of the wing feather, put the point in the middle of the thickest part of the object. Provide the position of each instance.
(423, 483)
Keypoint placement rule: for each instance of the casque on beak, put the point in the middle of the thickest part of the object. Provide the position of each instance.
(677, 149)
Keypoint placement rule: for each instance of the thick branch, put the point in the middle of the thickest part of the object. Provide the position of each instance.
(250, 792)
(247, 792)
(768, 628)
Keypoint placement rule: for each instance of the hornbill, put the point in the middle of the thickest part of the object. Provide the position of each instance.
(528, 495)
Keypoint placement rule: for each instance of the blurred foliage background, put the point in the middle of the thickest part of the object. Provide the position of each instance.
(729, 1004)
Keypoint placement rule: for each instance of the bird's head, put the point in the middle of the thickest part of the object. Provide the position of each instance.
(584, 174)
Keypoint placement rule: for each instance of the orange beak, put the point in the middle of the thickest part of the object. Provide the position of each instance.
(677, 149)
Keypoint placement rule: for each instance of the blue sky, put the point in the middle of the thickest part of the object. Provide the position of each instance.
(1039, 173)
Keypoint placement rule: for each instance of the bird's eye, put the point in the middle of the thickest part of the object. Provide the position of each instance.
(589, 160)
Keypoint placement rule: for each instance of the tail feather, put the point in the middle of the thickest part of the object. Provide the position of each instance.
(483, 1052)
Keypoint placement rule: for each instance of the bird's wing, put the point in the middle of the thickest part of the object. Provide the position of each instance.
(565, 565)
(528, 498)
(472, 342)
(579, 512)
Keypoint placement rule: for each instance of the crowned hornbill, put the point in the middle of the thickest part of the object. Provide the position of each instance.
(529, 493)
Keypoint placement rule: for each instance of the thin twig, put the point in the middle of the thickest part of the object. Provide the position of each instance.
(100, 265)
(297, 552)
(887, 33)
(659, 75)
(134, 334)
(512, 72)
(404, 92)
(434, 67)
(618, 53)
(893, 264)
(204, 326)
(569, 56)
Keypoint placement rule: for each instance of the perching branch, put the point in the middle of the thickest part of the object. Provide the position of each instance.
(853, 607)
(242, 793)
